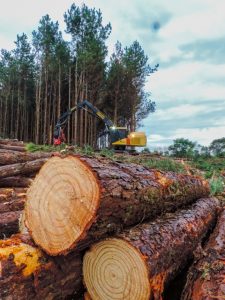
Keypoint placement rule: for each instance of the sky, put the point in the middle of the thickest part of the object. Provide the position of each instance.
(186, 38)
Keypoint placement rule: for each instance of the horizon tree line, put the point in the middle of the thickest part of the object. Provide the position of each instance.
(42, 78)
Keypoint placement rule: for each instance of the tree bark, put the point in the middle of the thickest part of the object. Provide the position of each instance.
(206, 276)
(74, 201)
(15, 181)
(11, 142)
(9, 223)
(14, 148)
(13, 157)
(22, 168)
(27, 273)
(138, 263)
(10, 194)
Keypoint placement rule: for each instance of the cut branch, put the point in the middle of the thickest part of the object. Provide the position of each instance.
(74, 201)
(138, 263)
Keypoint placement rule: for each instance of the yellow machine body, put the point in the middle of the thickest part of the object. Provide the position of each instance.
(134, 139)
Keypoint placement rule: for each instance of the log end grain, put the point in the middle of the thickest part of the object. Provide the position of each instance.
(61, 204)
(116, 270)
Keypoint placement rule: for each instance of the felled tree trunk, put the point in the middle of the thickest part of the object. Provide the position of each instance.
(206, 278)
(15, 181)
(27, 273)
(14, 148)
(11, 142)
(22, 168)
(74, 201)
(13, 157)
(12, 199)
(137, 264)
(9, 223)
(12, 203)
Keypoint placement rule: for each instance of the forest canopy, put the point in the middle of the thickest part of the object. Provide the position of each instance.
(45, 76)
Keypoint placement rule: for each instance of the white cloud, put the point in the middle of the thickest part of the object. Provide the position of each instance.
(184, 111)
(203, 136)
(192, 82)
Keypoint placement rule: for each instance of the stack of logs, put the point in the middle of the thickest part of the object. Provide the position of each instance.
(123, 230)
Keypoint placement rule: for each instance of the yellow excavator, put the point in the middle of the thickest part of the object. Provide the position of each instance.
(118, 138)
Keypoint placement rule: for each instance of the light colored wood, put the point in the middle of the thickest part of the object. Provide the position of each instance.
(114, 269)
(61, 202)
(138, 263)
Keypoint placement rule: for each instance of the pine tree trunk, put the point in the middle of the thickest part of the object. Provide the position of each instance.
(206, 276)
(12, 157)
(109, 196)
(137, 264)
(25, 168)
(15, 181)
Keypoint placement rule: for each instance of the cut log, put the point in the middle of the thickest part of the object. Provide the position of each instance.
(206, 278)
(12, 203)
(137, 264)
(27, 273)
(9, 223)
(12, 200)
(74, 201)
(11, 194)
(15, 181)
(14, 148)
(11, 142)
(13, 157)
(22, 168)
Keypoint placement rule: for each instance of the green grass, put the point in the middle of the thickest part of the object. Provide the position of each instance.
(211, 166)
(31, 147)
(163, 164)
(217, 186)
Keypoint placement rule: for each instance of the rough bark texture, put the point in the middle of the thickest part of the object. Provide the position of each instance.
(206, 278)
(9, 223)
(15, 181)
(11, 142)
(162, 247)
(14, 148)
(27, 273)
(11, 194)
(13, 157)
(12, 201)
(127, 194)
(131, 193)
(22, 168)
